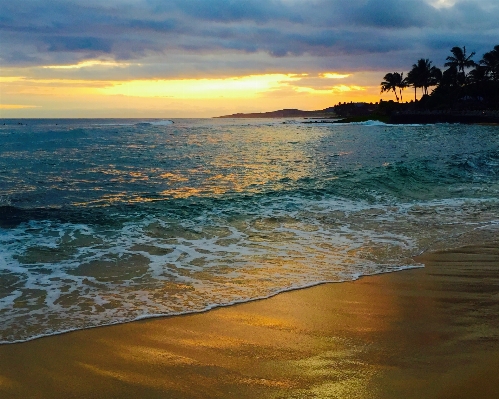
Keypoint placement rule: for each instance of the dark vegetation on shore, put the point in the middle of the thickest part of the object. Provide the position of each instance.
(465, 92)
(465, 84)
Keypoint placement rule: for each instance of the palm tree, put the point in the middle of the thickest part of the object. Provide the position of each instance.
(390, 83)
(490, 61)
(490, 90)
(413, 80)
(423, 75)
(401, 84)
(459, 59)
(477, 76)
(453, 78)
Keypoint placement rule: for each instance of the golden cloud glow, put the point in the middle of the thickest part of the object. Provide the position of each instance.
(90, 63)
(240, 87)
(17, 106)
(345, 88)
(333, 75)
(11, 79)
(24, 86)
(333, 89)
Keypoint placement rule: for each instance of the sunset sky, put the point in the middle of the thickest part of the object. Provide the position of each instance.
(203, 58)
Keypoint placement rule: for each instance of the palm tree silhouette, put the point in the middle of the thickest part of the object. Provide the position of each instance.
(490, 62)
(401, 83)
(423, 75)
(477, 76)
(390, 83)
(453, 78)
(459, 59)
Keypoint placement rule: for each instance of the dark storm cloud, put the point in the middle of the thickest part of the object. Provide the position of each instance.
(69, 44)
(222, 10)
(37, 32)
(395, 14)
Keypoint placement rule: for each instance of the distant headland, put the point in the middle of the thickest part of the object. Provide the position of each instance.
(286, 113)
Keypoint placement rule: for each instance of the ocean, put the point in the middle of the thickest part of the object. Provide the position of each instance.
(106, 221)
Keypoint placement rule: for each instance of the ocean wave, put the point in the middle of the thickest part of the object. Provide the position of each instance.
(164, 264)
(12, 216)
(376, 123)
(370, 123)
(134, 122)
(165, 122)
(117, 224)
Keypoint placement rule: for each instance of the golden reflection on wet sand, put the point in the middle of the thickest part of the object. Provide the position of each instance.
(427, 333)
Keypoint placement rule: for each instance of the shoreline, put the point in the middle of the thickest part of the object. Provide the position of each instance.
(207, 309)
(416, 119)
(430, 332)
(484, 117)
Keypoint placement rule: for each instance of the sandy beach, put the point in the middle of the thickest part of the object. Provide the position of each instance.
(423, 333)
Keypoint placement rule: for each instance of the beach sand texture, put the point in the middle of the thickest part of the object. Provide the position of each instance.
(424, 333)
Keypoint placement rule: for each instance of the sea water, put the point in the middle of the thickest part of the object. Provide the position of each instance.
(109, 221)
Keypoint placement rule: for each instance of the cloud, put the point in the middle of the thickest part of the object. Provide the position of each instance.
(17, 106)
(77, 44)
(168, 38)
(396, 14)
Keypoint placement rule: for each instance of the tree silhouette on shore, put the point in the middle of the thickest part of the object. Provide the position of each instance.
(490, 61)
(423, 75)
(392, 82)
(459, 59)
(465, 84)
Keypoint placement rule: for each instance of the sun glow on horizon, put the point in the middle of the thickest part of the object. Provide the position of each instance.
(38, 95)
(237, 87)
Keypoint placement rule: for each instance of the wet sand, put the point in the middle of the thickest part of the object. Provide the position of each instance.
(425, 333)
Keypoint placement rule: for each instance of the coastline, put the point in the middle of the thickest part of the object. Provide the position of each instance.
(431, 333)
(421, 118)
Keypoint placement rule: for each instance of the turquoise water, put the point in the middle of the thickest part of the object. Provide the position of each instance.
(108, 221)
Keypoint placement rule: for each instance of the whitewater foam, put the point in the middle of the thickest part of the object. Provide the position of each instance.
(106, 225)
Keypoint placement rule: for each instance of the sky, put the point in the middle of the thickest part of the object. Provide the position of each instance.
(204, 58)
